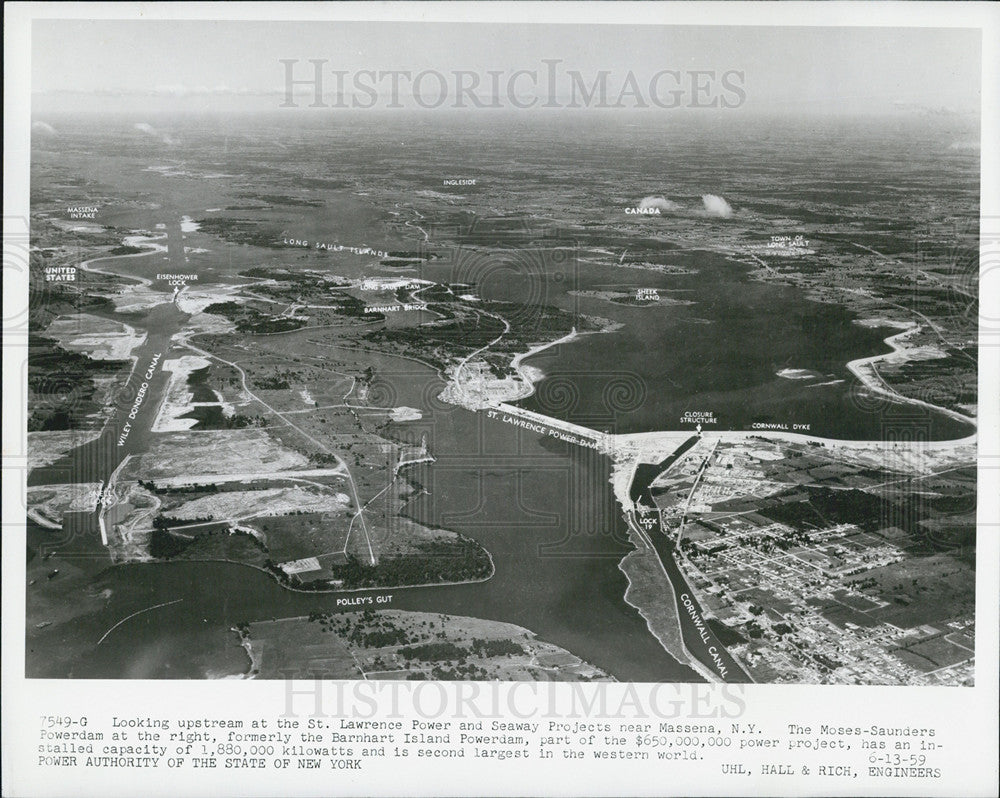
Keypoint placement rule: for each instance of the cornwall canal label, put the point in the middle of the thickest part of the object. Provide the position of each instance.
(703, 632)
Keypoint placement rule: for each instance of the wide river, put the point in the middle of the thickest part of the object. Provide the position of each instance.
(723, 354)
(544, 509)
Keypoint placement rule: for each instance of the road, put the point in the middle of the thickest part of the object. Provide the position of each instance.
(359, 515)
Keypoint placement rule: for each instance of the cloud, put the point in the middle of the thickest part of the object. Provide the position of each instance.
(716, 206)
(665, 205)
(43, 129)
(149, 130)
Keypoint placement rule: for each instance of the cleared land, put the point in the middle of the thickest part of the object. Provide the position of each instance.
(213, 452)
(96, 337)
(46, 505)
(393, 644)
(45, 448)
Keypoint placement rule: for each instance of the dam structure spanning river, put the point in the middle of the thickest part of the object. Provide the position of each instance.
(529, 480)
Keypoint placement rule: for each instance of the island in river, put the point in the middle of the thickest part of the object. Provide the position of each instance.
(464, 413)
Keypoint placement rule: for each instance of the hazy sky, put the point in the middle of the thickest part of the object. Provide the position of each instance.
(192, 65)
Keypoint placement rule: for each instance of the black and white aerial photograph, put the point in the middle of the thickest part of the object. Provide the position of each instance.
(503, 353)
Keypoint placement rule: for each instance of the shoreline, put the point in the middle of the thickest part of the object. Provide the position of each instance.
(317, 592)
(689, 661)
(651, 439)
(34, 515)
(525, 377)
(516, 361)
(651, 447)
(245, 643)
(626, 449)
(522, 370)
(135, 240)
(512, 630)
(876, 384)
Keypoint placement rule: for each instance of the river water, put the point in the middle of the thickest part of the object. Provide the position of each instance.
(720, 355)
(543, 508)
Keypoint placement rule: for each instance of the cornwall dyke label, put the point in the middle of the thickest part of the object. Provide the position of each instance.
(779, 427)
